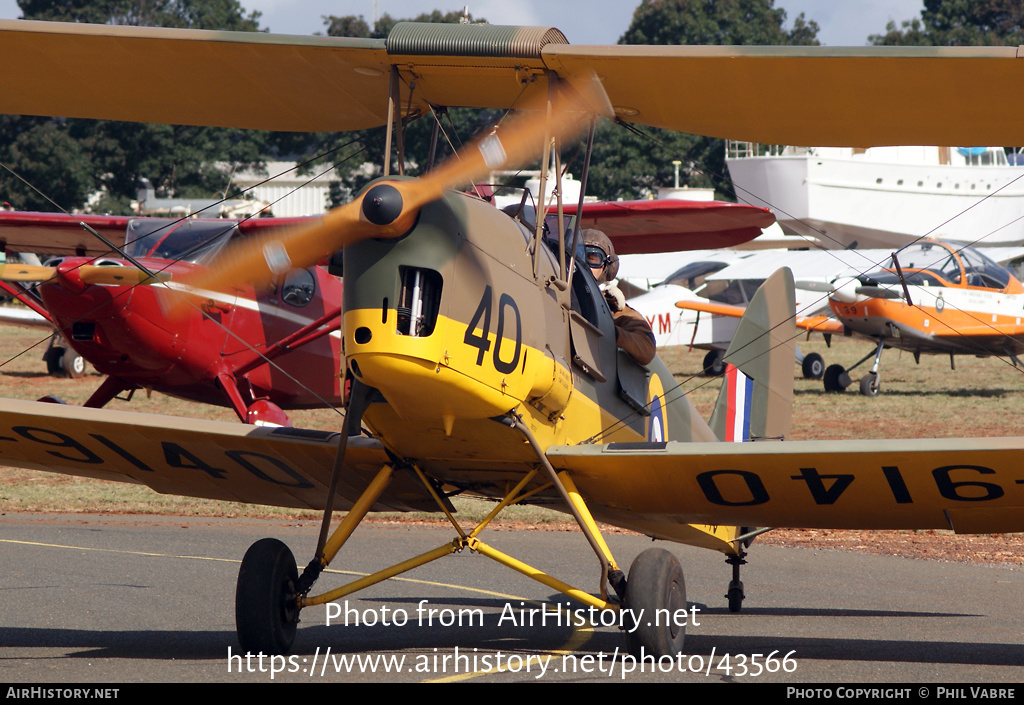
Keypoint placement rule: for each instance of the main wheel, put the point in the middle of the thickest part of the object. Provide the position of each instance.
(870, 385)
(813, 366)
(834, 378)
(53, 358)
(656, 594)
(72, 364)
(64, 362)
(714, 366)
(266, 612)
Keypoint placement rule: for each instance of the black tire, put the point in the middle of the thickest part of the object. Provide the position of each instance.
(833, 378)
(266, 612)
(813, 366)
(656, 583)
(870, 385)
(53, 358)
(714, 366)
(735, 596)
(72, 364)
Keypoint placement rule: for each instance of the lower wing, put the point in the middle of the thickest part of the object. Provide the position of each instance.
(281, 467)
(967, 485)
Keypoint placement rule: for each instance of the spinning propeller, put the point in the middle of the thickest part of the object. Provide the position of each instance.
(388, 209)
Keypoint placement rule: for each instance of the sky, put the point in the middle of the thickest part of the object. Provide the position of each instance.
(841, 22)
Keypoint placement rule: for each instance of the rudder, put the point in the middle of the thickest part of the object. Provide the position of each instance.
(756, 399)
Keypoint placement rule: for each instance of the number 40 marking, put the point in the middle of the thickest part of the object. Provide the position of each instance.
(482, 321)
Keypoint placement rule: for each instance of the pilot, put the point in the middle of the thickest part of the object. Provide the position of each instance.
(632, 332)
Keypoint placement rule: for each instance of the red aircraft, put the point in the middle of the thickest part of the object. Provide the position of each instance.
(256, 352)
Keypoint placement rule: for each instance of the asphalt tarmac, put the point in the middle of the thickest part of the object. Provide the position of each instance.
(150, 599)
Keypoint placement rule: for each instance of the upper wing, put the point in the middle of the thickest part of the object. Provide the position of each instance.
(833, 96)
(64, 234)
(671, 226)
(190, 77)
(198, 458)
(60, 234)
(967, 485)
(830, 96)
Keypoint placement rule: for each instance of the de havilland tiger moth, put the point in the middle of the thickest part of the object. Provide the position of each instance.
(479, 350)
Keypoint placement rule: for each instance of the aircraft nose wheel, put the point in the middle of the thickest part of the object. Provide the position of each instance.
(266, 611)
(656, 583)
(870, 384)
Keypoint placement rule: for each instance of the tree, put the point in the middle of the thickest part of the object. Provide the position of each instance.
(42, 152)
(715, 22)
(356, 26)
(354, 173)
(189, 14)
(626, 165)
(959, 23)
(84, 155)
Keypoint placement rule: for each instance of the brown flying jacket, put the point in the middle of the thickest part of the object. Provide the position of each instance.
(633, 334)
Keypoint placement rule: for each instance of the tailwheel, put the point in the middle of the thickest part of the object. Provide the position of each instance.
(735, 592)
(266, 611)
(656, 583)
(735, 597)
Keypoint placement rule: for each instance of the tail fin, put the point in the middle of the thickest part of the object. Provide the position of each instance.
(756, 399)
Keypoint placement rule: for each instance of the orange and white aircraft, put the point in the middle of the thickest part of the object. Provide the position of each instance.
(935, 298)
(481, 352)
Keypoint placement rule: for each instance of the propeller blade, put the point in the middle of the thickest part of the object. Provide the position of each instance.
(388, 209)
(807, 285)
(878, 292)
(118, 276)
(26, 273)
(88, 274)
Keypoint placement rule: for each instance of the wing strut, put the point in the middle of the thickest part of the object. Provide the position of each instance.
(359, 398)
(610, 572)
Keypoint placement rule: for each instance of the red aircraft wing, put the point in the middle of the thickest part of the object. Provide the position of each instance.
(60, 233)
(65, 234)
(671, 226)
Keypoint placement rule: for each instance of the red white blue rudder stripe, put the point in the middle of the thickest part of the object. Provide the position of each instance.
(740, 391)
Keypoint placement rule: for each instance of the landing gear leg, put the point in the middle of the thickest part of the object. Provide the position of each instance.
(270, 593)
(735, 593)
(871, 383)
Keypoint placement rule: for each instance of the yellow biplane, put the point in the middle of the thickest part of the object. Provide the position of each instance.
(481, 352)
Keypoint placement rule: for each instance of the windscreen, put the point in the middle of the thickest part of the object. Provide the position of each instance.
(187, 240)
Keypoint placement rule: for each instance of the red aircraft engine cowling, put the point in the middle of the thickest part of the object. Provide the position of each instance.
(124, 332)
